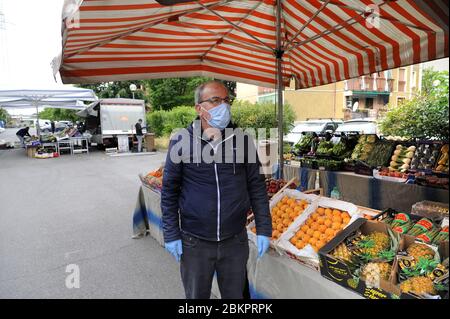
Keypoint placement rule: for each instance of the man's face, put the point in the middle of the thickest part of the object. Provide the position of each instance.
(212, 96)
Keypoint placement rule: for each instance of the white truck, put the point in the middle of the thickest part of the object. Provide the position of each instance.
(111, 122)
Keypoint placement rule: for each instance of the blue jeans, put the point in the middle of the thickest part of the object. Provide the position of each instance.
(22, 140)
(139, 138)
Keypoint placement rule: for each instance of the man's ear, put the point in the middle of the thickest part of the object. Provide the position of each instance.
(198, 109)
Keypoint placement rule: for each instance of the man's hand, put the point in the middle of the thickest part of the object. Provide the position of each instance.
(263, 243)
(175, 248)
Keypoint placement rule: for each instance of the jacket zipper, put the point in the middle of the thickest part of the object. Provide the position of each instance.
(218, 202)
(217, 184)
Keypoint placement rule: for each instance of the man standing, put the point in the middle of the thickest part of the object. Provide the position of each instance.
(52, 125)
(21, 134)
(210, 182)
(139, 134)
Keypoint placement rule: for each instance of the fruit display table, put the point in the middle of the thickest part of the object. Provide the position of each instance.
(147, 214)
(366, 190)
(273, 276)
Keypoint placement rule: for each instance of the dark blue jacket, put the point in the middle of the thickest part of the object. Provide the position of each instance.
(210, 198)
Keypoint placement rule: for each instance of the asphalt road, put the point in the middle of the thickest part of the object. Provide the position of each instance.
(77, 210)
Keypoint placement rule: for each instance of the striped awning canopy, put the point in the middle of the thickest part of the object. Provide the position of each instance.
(321, 41)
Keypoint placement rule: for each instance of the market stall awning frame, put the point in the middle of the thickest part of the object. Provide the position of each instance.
(261, 42)
(321, 41)
(62, 97)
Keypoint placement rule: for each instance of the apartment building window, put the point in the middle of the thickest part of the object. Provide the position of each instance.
(348, 102)
(413, 79)
(351, 102)
(402, 80)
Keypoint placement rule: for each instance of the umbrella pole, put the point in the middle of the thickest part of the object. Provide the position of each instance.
(279, 58)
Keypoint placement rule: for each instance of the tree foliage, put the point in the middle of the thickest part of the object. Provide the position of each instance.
(117, 89)
(4, 115)
(426, 115)
(160, 94)
(59, 114)
(244, 115)
(165, 94)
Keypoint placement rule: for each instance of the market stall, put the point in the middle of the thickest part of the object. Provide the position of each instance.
(373, 171)
(365, 190)
(328, 248)
(50, 145)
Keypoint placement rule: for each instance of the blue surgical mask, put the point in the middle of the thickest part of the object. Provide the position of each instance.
(220, 116)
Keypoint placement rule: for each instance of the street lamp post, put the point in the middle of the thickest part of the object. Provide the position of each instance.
(133, 88)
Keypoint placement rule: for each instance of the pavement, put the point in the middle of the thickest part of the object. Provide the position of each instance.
(77, 210)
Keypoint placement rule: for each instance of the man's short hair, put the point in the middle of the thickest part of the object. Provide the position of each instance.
(140, 120)
(201, 87)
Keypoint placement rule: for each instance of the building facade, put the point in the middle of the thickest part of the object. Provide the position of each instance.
(366, 96)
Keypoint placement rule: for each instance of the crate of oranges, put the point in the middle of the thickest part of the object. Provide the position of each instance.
(326, 218)
(285, 208)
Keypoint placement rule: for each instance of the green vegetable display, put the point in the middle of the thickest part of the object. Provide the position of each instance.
(364, 147)
(325, 148)
(304, 146)
(380, 154)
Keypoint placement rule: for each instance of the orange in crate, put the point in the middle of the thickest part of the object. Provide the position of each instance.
(321, 227)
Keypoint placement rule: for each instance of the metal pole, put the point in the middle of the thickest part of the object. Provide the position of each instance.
(279, 56)
(38, 128)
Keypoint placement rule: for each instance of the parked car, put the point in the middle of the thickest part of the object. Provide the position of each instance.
(2, 129)
(356, 126)
(311, 126)
(59, 126)
(68, 123)
(361, 126)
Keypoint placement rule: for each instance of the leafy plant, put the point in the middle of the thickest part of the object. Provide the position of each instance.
(59, 114)
(424, 116)
(163, 123)
(440, 287)
(387, 255)
(244, 115)
(366, 243)
(4, 115)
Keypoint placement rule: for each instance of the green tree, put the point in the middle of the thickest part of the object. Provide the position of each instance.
(165, 94)
(115, 89)
(261, 115)
(59, 114)
(435, 82)
(244, 115)
(161, 94)
(424, 116)
(4, 115)
(163, 123)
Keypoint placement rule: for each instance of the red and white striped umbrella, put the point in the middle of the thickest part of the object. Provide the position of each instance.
(320, 42)
(262, 42)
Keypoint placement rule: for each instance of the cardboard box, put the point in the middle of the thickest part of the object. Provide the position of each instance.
(149, 142)
(337, 271)
(406, 241)
(31, 151)
(274, 201)
(307, 256)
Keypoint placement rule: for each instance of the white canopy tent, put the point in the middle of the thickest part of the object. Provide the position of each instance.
(59, 97)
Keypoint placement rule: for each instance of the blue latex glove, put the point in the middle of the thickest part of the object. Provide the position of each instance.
(263, 243)
(175, 248)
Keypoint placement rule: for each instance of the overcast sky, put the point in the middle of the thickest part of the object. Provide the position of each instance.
(31, 37)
